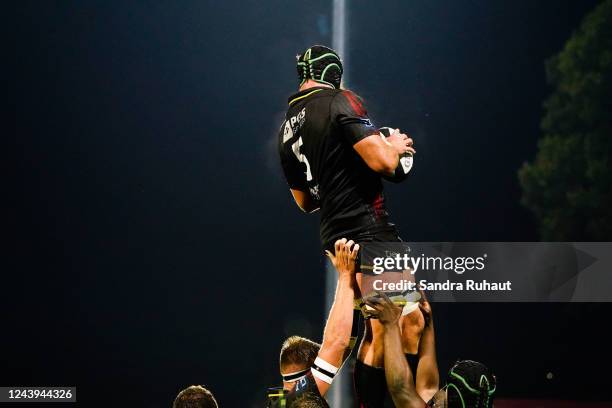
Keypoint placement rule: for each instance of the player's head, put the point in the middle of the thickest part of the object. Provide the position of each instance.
(469, 384)
(310, 400)
(297, 355)
(195, 396)
(320, 64)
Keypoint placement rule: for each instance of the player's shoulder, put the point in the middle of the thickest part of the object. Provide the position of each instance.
(349, 93)
(298, 99)
(345, 94)
(347, 99)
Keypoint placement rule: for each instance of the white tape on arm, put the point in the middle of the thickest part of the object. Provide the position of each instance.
(324, 371)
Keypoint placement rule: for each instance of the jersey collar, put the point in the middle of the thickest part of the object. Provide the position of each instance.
(306, 93)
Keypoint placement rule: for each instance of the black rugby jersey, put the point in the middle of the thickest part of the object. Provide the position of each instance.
(317, 156)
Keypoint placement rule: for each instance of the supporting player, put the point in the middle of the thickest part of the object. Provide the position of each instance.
(333, 159)
(310, 400)
(307, 367)
(469, 384)
(195, 396)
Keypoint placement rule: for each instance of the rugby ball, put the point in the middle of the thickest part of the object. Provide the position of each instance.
(405, 162)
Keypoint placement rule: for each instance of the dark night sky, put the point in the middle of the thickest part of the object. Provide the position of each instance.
(156, 244)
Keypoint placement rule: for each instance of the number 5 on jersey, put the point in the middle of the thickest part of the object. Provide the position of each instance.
(295, 148)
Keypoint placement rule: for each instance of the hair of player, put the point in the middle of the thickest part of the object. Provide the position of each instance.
(470, 384)
(300, 351)
(195, 396)
(310, 400)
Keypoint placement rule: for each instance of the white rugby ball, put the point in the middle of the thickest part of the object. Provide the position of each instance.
(405, 162)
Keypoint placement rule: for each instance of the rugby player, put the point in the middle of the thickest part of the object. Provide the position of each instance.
(307, 367)
(333, 158)
(310, 400)
(469, 384)
(195, 396)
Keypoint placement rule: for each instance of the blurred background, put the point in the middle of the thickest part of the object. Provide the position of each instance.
(152, 240)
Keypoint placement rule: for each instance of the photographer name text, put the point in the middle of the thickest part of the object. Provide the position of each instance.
(446, 286)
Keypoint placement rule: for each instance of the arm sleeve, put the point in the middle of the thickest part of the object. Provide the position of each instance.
(293, 170)
(351, 116)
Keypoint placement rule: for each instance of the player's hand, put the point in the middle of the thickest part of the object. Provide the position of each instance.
(425, 308)
(383, 309)
(401, 142)
(345, 257)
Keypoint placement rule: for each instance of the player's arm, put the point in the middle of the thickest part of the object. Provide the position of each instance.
(304, 200)
(427, 376)
(378, 154)
(340, 321)
(397, 372)
(382, 156)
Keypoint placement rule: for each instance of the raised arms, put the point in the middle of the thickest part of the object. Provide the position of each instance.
(399, 377)
(427, 376)
(340, 321)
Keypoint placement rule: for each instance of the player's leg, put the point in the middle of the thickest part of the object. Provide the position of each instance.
(369, 374)
(371, 347)
(370, 384)
(412, 326)
(412, 322)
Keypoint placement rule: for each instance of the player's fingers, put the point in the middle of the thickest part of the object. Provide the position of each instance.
(389, 303)
(373, 300)
(347, 249)
(385, 299)
(337, 246)
(381, 294)
(348, 246)
(373, 314)
(370, 298)
(354, 252)
(374, 307)
(329, 255)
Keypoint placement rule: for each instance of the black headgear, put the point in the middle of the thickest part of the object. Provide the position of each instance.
(470, 385)
(321, 64)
